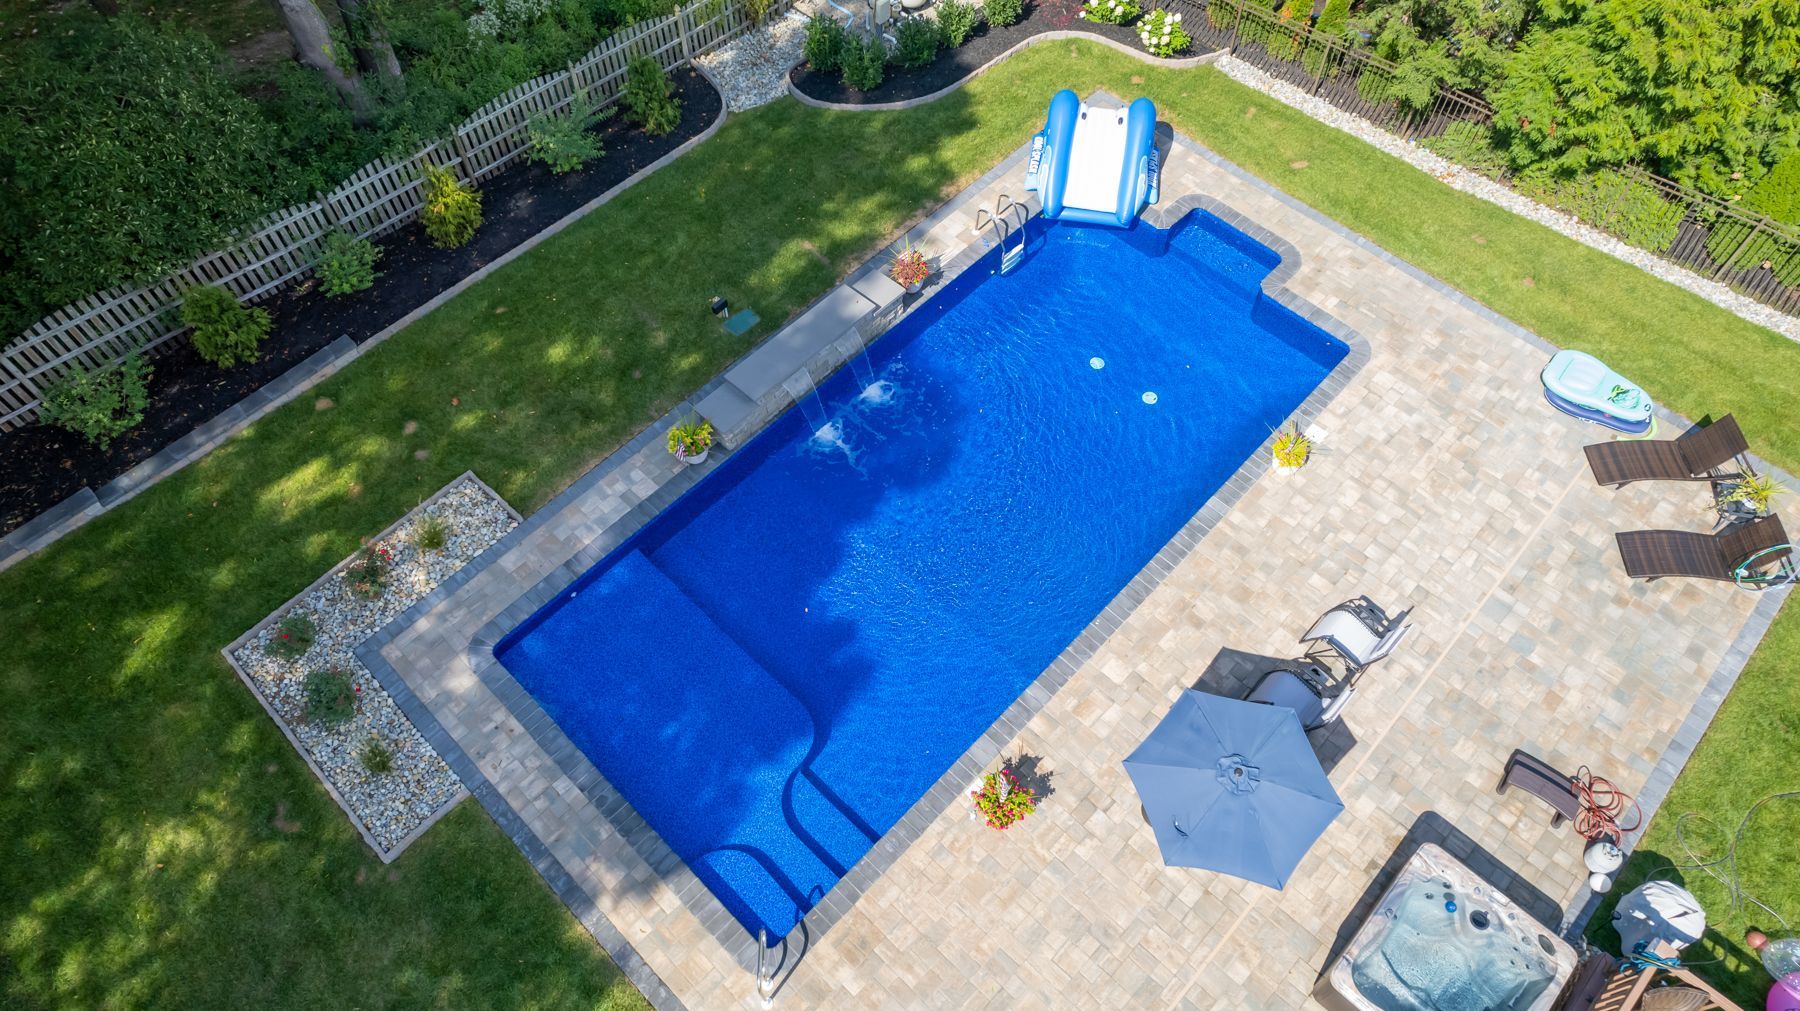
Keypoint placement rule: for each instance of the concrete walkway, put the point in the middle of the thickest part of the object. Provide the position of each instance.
(1444, 481)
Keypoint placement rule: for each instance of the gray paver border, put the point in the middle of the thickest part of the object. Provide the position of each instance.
(387, 856)
(949, 788)
(1581, 904)
(1037, 694)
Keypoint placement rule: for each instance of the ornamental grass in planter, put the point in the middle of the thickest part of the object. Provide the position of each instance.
(1290, 449)
(690, 441)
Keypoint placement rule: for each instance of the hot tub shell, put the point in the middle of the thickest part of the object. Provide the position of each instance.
(1337, 990)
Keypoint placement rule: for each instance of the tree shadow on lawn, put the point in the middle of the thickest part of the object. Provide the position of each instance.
(130, 743)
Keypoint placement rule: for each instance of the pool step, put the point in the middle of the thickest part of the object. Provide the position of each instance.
(833, 831)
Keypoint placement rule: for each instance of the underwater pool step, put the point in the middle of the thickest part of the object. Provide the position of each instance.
(835, 832)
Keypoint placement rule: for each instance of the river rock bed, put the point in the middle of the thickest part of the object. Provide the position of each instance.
(391, 805)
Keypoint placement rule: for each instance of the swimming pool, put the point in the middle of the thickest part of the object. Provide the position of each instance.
(780, 664)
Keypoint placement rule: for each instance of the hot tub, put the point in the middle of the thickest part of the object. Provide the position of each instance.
(1442, 939)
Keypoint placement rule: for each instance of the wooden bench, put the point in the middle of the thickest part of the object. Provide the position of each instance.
(1538, 778)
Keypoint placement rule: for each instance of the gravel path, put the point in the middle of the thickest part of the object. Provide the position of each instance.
(392, 804)
(1479, 185)
(752, 69)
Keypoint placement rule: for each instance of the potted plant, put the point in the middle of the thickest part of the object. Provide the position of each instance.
(690, 441)
(910, 269)
(1749, 497)
(1003, 800)
(1290, 450)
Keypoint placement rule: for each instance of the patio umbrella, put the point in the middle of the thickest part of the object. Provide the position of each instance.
(1232, 786)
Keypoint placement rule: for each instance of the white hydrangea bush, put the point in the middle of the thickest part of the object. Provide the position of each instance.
(1162, 34)
(1112, 12)
(508, 18)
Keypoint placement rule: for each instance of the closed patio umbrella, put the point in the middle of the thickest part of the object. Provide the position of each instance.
(1233, 787)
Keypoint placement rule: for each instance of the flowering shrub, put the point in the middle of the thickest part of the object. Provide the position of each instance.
(1162, 33)
(1112, 12)
(690, 438)
(292, 637)
(909, 268)
(367, 572)
(1290, 448)
(1003, 800)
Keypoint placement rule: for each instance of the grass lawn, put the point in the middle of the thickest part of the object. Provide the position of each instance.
(167, 848)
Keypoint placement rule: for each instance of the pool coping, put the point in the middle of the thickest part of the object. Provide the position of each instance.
(950, 786)
(1577, 907)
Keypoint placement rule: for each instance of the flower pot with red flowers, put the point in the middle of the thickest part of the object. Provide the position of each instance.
(1003, 800)
(910, 269)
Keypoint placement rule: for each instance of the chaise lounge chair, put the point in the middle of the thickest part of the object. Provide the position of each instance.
(1695, 456)
(1653, 554)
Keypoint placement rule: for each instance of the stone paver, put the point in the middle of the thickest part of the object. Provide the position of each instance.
(1443, 481)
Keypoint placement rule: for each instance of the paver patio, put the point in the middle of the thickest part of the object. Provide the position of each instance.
(1444, 481)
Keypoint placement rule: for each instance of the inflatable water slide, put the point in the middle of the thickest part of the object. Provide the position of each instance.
(1095, 164)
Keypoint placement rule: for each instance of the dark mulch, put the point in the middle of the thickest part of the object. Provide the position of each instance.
(40, 465)
(956, 64)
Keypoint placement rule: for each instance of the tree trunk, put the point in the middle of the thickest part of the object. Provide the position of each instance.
(368, 38)
(311, 32)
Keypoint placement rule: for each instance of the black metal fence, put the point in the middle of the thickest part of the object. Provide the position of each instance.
(1753, 254)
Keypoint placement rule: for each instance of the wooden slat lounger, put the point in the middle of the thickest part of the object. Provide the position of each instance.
(1653, 554)
(1695, 456)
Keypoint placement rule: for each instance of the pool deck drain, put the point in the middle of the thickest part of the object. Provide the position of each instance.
(1445, 483)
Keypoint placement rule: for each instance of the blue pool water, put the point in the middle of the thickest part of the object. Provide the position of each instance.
(780, 664)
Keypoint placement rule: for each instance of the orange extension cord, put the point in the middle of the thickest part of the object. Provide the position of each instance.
(1601, 805)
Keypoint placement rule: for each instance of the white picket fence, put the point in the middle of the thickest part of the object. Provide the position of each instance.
(382, 196)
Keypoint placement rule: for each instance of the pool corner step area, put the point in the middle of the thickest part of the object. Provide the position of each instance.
(766, 820)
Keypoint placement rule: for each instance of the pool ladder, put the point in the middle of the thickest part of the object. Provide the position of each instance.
(999, 221)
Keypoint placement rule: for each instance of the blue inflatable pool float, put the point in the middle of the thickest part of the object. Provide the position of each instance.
(1581, 386)
(1095, 164)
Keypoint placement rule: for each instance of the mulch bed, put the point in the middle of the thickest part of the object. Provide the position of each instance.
(41, 465)
(954, 65)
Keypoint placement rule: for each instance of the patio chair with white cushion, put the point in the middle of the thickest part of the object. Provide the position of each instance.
(1355, 634)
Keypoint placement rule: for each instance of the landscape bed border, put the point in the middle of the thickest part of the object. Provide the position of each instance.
(71, 513)
(378, 198)
(387, 854)
(951, 786)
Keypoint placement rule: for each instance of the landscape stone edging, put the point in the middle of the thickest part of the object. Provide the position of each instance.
(65, 517)
(1057, 35)
(950, 787)
(467, 477)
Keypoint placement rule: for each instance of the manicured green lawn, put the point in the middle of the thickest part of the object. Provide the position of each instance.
(166, 847)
